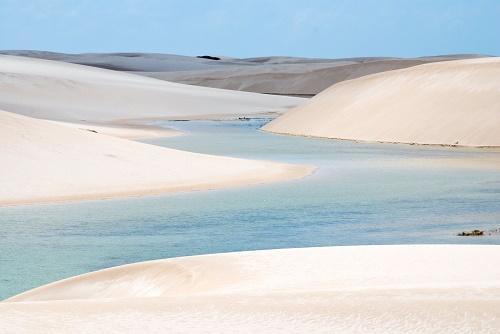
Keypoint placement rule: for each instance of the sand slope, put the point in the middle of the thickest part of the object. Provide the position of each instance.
(380, 289)
(45, 161)
(126, 61)
(68, 92)
(289, 78)
(451, 103)
(270, 75)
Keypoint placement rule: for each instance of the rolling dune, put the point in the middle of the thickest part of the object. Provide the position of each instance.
(75, 93)
(386, 289)
(290, 78)
(270, 75)
(446, 103)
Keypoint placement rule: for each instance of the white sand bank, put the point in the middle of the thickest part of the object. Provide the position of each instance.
(376, 289)
(44, 161)
(450, 103)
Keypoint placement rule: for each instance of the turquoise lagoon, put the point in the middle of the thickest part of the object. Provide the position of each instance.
(360, 194)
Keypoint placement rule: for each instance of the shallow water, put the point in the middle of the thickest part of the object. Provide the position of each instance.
(361, 194)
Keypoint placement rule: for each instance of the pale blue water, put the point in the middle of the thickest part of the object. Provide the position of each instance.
(361, 194)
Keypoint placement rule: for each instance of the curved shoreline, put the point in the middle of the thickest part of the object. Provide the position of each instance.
(49, 162)
(486, 147)
(289, 173)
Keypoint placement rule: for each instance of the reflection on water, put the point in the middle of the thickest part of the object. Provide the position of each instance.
(361, 194)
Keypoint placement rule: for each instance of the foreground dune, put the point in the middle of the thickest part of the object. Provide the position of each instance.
(75, 93)
(270, 75)
(450, 103)
(45, 161)
(359, 289)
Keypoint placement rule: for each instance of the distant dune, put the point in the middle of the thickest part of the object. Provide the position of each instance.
(125, 61)
(270, 75)
(356, 289)
(67, 92)
(450, 103)
(289, 78)
(45, 161)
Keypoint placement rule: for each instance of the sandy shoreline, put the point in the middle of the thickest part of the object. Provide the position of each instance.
(390, 289)
(45, 161)
(285, 173)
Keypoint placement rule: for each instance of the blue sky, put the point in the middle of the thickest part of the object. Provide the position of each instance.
(312, 28)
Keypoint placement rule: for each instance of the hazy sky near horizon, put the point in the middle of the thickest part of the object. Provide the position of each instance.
(245, 28)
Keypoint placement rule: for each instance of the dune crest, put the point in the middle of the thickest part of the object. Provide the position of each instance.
(285, 270)
(446, 103)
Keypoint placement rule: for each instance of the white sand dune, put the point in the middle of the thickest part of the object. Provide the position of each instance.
(450, 103)
(358, 289)
(296, 79)
(126, 61)
(71, 154)
(41, 161)
(270, 75)
(67, 92)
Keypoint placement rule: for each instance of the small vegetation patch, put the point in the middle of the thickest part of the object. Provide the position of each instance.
(473, 233)
(209, 57)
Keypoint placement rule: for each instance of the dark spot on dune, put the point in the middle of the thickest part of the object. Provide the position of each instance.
(89, 130)
(208, 57)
